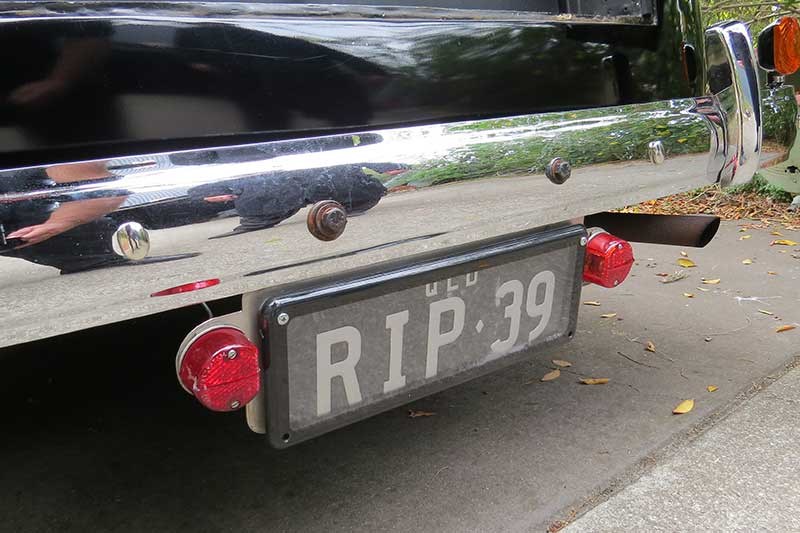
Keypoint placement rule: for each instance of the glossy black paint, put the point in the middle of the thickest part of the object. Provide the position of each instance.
(100, 80)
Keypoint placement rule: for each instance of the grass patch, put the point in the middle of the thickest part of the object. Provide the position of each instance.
(758, 185)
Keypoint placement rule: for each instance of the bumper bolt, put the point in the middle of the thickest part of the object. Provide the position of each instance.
(232, 354)
(558, 171)
(283, 319)
(326, 220)
(132, 241)
(655, 150)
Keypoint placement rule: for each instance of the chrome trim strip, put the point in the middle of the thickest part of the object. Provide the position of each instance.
(205, 10)
(236, 213)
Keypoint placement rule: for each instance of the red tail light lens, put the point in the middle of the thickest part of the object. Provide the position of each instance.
(608, 260)
(221, 369)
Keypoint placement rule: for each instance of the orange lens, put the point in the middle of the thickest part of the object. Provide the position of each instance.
(787, 45)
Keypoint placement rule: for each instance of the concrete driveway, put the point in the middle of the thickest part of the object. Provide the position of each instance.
(97, 435)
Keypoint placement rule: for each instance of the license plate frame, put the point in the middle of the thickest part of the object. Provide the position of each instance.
(312, 296)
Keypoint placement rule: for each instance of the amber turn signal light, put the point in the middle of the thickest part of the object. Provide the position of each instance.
(787, 45)
(779, 46)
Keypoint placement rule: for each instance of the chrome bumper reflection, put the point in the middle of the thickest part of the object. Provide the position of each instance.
(233, 213)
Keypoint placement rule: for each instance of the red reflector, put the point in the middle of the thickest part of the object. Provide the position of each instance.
(187, 287)
(220, 368)
(608, 260)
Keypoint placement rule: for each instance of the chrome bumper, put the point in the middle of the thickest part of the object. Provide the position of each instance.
(419, 189)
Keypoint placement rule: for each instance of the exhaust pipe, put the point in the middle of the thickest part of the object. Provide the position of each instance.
(677, 230)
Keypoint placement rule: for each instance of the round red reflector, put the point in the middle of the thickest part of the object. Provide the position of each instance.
(221, 369)
(608, 260)
(786, 45)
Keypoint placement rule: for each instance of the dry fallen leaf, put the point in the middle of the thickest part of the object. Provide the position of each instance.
(743, 237)
(772, 273)
(684, 254)
(662, 274)
(608, 315)
(712, 388)
(711, 281)
(686, 263)
(688, 294)
(777, 233)
(650, 347)
(702, 289)
(561, 363)
(747, 262)
(680, 274)
(595, 381)
(414, 413)
(764, 311)
(550, 376)
(684, 407)
(592, 303)
(783, 242)
(786, 327)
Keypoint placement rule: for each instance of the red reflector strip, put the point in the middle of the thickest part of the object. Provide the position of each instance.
(220, 198)
(187, 287)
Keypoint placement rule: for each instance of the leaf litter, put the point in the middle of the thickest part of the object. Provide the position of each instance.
(724, 204)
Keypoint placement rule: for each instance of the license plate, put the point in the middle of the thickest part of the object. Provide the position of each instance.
(342, 350)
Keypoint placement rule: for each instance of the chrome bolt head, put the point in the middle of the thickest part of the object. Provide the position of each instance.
(283, 319)
(656, 152)
(131, 241)
(232, 354)
(558, 171)
(584, 240)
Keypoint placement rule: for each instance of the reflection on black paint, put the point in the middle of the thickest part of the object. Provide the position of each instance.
(55, 82)
(295, 77)
(266, 200)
